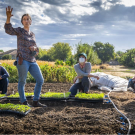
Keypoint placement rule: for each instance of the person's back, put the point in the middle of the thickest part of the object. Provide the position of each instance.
(3, 80)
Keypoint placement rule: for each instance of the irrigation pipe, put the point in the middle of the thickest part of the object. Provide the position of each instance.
(129, 127)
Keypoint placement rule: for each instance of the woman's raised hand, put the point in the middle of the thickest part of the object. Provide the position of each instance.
(9, 11)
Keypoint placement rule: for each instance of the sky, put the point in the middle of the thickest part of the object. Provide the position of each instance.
(72, 21)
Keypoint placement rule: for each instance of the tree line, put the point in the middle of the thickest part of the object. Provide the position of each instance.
(97, 53)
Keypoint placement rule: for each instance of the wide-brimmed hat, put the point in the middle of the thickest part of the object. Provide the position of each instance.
(83, 55)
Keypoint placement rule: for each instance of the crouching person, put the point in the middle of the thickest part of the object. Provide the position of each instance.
(81, 81)
(3, 80)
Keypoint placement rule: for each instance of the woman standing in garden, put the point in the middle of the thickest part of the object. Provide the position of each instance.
(26, 52)
(81, 81)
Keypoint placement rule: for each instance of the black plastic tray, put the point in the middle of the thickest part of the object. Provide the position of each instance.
(28, 97)
(2, 97)
(14, 112)
(85, 100)
(56, 99)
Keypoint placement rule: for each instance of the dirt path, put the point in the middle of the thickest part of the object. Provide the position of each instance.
(120, 71)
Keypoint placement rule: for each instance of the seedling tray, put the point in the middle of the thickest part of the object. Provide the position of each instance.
(2, 97)
(14, 112)
(85, 100)
(55, 99)
(11, 98)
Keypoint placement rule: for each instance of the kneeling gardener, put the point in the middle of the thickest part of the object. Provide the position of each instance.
(81, 81)
(3, 80)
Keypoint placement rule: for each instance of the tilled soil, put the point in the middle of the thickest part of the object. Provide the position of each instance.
(61, 117)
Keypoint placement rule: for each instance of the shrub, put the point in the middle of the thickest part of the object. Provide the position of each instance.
(59, 62)
(102, 67)
(7, 57)
(53, 73)
(70, 61)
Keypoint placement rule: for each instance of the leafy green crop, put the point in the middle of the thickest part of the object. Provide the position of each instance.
(55, 95)
(16, 95)
(2, 95)
(89, 96)
(13, 107)
(50, 73)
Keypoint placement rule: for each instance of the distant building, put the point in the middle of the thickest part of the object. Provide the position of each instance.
(12, 52)
(113, 62)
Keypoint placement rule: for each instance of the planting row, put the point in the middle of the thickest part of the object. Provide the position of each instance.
(59, 95)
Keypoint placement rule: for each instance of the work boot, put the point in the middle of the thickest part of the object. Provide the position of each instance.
(26, 103)
(38, 104)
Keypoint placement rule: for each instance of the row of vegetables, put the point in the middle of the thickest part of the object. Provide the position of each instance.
(59, 95)
(24, 108)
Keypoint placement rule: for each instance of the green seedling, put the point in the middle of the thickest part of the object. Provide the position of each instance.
(16, 95)
(13, 107)
(2, 95)
(89, 96)
(55, 95)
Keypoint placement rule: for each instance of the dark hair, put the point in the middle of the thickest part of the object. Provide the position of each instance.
(25, 15)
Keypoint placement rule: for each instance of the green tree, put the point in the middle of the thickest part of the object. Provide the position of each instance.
(42, 54)
(117, 55)
(7, 57)
(60, 51)
(86, 48)
(128, 58)
(1, 51)
(105, 51)
(120, 53)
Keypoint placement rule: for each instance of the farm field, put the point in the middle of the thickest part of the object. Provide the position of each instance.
(69, 117)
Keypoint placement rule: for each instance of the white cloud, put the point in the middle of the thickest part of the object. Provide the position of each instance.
(81, 7)
(98, 27)
(128, 3)
(70, 39)
(75, 35)
(45, 46)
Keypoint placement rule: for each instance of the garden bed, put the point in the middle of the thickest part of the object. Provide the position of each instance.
(70, 117)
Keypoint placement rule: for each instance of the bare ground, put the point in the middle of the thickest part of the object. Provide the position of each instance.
(70, 117)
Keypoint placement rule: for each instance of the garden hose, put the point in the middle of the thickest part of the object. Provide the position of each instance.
(129, 127)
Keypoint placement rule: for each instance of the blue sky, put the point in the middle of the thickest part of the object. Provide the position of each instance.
(72, 21)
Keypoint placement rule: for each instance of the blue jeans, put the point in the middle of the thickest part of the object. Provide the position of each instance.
(35, 71)
(84, 85)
